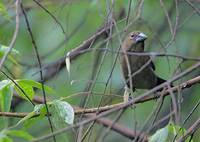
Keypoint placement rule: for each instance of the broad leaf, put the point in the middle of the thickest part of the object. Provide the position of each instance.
(6, 97)
(160, 135)
(4, 12)
(61, 112)
(4, 83)
(6, 92)
(168, 133)
(27, 92)
(20, 134)
(35, 84)
(4, 49)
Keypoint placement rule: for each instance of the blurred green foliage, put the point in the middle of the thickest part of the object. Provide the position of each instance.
(82, 18)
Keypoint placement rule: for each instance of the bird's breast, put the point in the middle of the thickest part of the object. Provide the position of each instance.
(142, 75)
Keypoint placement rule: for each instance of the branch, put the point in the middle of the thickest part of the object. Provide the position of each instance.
(116, 127)
(125, 105)
(53, 68)
(14, 114)
(193, 7)
(78, 110)
(129, 133)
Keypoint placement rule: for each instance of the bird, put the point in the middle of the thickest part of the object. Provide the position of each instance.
(136, 72)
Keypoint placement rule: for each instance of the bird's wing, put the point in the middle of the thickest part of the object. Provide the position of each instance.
(152, 66)
(147, 58)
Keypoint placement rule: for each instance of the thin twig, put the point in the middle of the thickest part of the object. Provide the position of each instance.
(143, 99)
(167, 16)
(191, 5)
(40, 66)
(12, 43)
(48, 12)
(149, 93)
(129, 10)
(19, 87)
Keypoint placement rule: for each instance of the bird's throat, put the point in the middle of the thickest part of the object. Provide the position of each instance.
(139, 47)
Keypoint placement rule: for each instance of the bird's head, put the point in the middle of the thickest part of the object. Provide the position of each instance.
(135, 40)
(136, 37)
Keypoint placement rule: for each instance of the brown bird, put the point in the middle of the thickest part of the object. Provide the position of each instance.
(142, 77)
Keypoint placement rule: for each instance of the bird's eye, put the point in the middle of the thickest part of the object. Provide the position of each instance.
(132, 35)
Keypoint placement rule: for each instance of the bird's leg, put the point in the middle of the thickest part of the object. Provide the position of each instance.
(127, 93)
(160, 91)
(131, 97)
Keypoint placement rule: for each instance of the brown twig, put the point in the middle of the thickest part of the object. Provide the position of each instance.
(193, 7)
(124, 131)
(14, 114)
(118, 128)
(74, 53)
(125, 105)
(184, 85)
(140, 99)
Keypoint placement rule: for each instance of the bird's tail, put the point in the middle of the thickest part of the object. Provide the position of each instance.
(160, 81)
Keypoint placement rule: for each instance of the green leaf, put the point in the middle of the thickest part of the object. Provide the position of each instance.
(6, 97)
(61, 112)
(6, 92)
(40, 109)
(160, 135)
(4, 12)
(31, 114)
(35, 84)
(168, 133)
(4, 49)
(177, 130)
(5, 139)
(65, 111)
(4, 83)
(11, 58)
(32, 122)
(2, 134)
(26, 88)
(20, 134)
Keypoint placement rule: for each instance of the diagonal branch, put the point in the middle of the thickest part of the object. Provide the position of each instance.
(174, 89)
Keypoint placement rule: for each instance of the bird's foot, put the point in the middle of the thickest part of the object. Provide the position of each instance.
(127, 97)
(130, 98)
(126, 94)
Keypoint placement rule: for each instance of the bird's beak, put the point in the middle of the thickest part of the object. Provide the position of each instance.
(141, 37)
